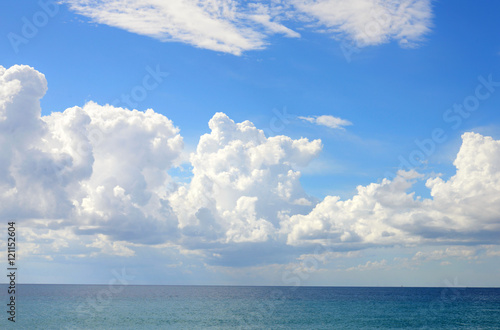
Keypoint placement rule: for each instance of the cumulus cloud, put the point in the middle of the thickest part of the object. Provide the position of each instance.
(93, 180)
(99, 169)
(364, 219)
(132, 151)
(242, 182)
(470, 200)
(328, 121)
(102, 171)
(27, 171)
(463, 209)
(234, 26)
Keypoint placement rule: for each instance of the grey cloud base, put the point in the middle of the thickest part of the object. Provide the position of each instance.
(94, 180)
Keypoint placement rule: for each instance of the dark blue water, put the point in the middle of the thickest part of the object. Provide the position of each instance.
(220, 307)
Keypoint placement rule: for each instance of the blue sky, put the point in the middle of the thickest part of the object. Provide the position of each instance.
(283, 66)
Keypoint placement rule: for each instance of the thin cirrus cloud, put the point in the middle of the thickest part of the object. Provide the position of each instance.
(234, 27)
(370, 22)
(328, 121)
(93, 181)
(220, 25)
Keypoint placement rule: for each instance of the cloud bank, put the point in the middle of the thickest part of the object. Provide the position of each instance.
(233, 26)
(93, 180)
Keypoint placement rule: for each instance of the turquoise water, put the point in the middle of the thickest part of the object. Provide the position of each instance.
(221, 307)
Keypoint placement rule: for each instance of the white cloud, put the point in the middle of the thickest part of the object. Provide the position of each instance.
(118, 248)
(242, 182)
(493, 253)
(266, 15)
(464, 209)
(101, 170)
(97, 168)
(468, 253)
(132, 151)
(370, 265)
(470, 200)
(234, 26)
(371, 22)
(96, 178)
(328, 121)
(221, 25)
(364, 219)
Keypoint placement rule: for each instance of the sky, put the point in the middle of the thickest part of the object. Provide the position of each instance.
(227, 142)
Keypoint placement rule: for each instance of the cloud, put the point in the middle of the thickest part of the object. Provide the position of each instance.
(471, 198)
(102, 172)
(371, 22)
(468, 253)
(369, 266)
(132, 151)
(222, 25)
(328, 121)
(234, 27)
(118, 248)
(93, 180)
(99, 169)
(463, 210)
(364, 219)
(242, 182)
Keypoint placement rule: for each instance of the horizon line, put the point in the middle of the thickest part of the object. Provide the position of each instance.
(281, 286)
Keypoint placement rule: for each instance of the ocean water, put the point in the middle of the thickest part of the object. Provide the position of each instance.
(239, 307)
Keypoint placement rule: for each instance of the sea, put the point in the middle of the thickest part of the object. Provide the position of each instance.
(249, 307)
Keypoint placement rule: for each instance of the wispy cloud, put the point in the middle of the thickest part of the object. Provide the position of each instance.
(370, 265)
(234, 26)
(328, 121)
(222, 25)
(370, 22)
